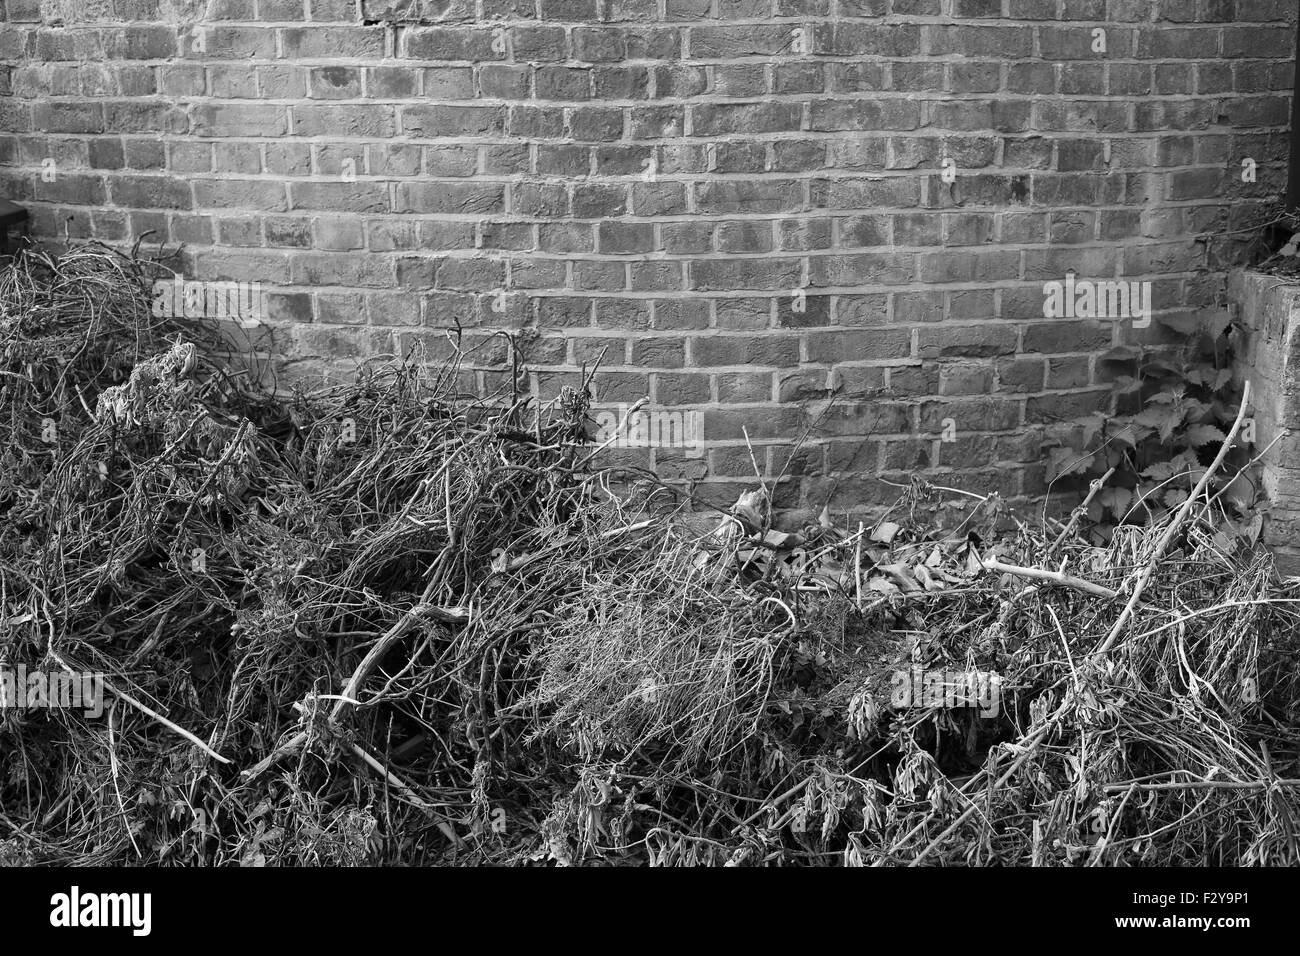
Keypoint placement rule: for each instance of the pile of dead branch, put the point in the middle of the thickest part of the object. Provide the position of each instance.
(387, 622)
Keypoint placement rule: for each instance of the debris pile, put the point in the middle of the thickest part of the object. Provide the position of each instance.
(387, 622)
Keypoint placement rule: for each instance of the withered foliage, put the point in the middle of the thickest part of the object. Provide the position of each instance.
(388, 622)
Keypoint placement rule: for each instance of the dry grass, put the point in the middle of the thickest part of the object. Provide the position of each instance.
(423, 629)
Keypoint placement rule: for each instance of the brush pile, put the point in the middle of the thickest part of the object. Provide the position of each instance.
(388, 622)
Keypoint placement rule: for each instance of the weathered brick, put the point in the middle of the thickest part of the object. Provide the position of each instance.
(462, 198)
(240, 194)
(718, 119)
(746, 216)
(226, 119)
(333, 42)
(346, 197)
(150, 192)
(966, 341)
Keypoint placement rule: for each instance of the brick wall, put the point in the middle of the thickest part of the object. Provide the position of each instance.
(1269, 310)
(743, 205)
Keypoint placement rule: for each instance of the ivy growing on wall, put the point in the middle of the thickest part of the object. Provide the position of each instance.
(1176, 407)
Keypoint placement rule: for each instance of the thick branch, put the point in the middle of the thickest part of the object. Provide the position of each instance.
(1053, 577)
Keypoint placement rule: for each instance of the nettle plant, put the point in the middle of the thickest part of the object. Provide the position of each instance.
(1176, 406)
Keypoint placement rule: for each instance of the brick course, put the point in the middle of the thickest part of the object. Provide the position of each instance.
(741, 204)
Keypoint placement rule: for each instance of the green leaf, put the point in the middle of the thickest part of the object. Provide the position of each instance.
(1163, 419)
(1140, 433)
(1215, 321)
(1209, 376)
(1091, 426)
(1128, 435)
(1225, 412)
(1198, 435)
(1161, 471)
(1195, 410)
(1117, 499)
(1162, 367)
(1067, 461)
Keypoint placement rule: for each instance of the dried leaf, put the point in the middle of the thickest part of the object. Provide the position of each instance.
(884, 532)
(751, 509)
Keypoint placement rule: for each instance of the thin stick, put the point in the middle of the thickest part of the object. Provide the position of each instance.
(1093, 487)
(127, 698)
(174, 728)
(403, 787)
(769, 804)
(1167, 538)
(348, 697)
(1203, 785)
(857, 566)
(1210, 610)
(617, 431)
(112, 764)
(1028, 743)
